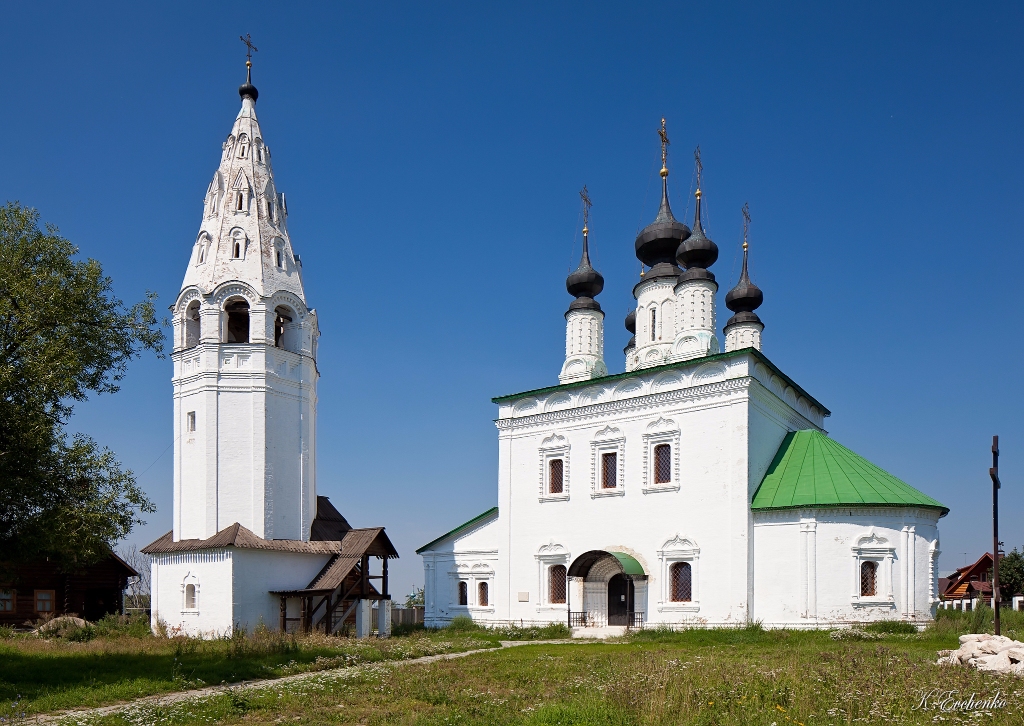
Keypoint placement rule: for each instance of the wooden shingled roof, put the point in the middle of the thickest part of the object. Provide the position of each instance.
(330, 534)
(328, 524)
(235, 535)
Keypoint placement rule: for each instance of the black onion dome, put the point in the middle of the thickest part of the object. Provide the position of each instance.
(657, 243)
(631, 327)
(585, 283)
(247, 89)
(744, 299)
(697, 252)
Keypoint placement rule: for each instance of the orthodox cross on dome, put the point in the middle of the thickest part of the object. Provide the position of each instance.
(746, 222)
(247, 39)
(698, 167)
(664, 147)
(585, 197)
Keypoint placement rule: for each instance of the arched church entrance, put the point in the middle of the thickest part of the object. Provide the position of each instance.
(603, 589)
(621, 596)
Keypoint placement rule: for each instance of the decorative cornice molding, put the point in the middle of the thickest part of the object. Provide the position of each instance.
(640, 404)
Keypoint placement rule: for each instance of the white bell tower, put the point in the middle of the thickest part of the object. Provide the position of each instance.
(244, 356)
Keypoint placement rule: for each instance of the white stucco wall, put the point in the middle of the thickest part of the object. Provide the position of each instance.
(232, 588)
(471, 556)
(807, 565)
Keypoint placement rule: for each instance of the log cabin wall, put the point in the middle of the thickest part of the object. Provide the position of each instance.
(91, 593)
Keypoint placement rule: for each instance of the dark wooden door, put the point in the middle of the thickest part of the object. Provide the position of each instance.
(620, 600)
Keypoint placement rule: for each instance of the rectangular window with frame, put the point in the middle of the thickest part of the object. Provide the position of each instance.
(609, 470)
(556, 471)
(868, 579)
(190, 421)
(7, 601)
(557, 584)
(663, 464)
(44, 601)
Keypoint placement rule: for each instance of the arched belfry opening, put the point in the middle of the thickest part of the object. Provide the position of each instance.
(606, 588)
(286, 331)
(237, 327)
(192, 325)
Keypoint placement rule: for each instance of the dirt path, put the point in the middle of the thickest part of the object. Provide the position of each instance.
(164, 699)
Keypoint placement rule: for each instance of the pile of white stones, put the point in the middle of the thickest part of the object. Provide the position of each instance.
(993, 653)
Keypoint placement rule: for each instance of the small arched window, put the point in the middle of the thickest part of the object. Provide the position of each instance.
(238, 321)
(868, 579)
(192, 325)
(190, 597)
(463, 593)
(280, 258)
(680, 583)
(654, 321)
(556, 471)
(556, 584)
(663, 464)
(481, 595)
(243, 146)
(239, 200)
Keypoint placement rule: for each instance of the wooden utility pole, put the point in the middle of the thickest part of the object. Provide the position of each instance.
(994, 473)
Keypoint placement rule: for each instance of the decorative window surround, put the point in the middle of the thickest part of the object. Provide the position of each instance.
(190, 579)
(554, 447)
(874, 548)
(662, 431)
(679, 549)
(472, 575)
(547, 557)
(608, 440)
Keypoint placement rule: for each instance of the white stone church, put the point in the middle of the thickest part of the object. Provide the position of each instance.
(251, 541)
(697, 488)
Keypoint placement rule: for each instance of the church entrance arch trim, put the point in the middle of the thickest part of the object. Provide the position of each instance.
(602, 588)
(627, 564)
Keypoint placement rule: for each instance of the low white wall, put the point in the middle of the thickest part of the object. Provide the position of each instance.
(232, 588)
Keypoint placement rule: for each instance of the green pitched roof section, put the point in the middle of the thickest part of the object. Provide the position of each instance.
(812, 470)
(461, 528)
(629, 565)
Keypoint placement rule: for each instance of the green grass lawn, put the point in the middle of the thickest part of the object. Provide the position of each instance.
(39, 675)
(654, 677)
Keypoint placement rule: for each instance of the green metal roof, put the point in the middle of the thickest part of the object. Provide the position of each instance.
(629, 565)
(462, 527)
(668, 367)
(810, 469)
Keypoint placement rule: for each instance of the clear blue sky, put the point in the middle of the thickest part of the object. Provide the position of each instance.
(432, 154)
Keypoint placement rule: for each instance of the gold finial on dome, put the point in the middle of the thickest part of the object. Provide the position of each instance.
(664, 148)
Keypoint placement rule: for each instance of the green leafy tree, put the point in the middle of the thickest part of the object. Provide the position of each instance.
(63, 335)
(1011, 574)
